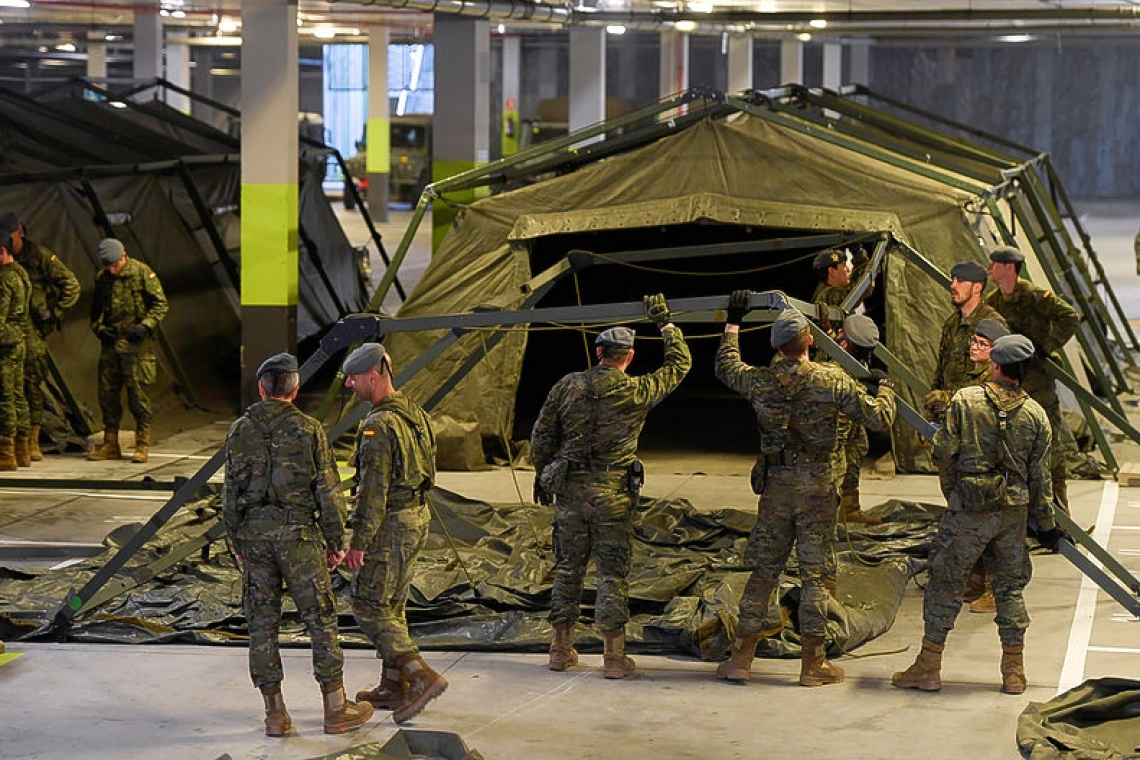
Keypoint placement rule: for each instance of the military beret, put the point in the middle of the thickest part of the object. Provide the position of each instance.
(825, 260)
(4, 238)
(787, 326)
(968, 271)
(991, 329)
(861, 330)
(9, 221)
(1006, 254)
(618, 337)
(364, 358)
(282, 362)
(1012, 348)
(110, 251)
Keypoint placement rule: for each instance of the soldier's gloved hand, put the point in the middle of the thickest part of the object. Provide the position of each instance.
(107, 334)
(45, 316)
(137, 334)
(739, 304)
(657, 310)
(540, 494)
(1051, 539)
(878, 379)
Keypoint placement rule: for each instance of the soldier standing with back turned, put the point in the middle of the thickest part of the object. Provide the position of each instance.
(14, 291)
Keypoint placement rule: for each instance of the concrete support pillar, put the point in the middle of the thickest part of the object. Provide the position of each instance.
(833, 66)
(378, 128)
(96, 60)
(461, 125)
(148, 49)
(860, 63)
(178, 74)
(674, 63)
(512, 88)
(791, 62)
(739, 63)
(269, 210)
(587, 76)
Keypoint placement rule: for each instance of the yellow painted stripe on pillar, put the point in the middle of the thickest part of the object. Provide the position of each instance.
(378, 134)
(269, 244)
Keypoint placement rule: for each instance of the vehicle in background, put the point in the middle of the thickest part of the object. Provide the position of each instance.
(552, 120)
(410, 169)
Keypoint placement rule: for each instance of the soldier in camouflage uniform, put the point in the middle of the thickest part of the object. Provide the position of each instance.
(1049, 321)
(395, 470)
(584, 448)
(858, 337)
(836, 275)
(283, 506)
(55, 290)
(125, 311)
(992, 456)
(14, 292)
(797, 403)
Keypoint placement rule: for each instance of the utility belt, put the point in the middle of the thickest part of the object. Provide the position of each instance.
(792, 457)
(405, 498)
(980, 491)
(282, 515)
(634, 473)
(596, 468)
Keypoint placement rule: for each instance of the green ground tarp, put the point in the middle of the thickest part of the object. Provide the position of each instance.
(1098, 720)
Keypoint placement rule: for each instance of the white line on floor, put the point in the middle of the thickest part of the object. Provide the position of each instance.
(1080, 633)
(1115, 650)
(1126, 527)
(93, 495)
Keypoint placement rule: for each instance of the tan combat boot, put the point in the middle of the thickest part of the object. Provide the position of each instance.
(34, 444)
(926, 672)
(7, 454)
(277, 720)
(110, 448)
(985, 604)
(142, 446)
(851, 512)
(1012, 669)
(390, 693)
(341, 714)
(563, 655)
(424, 685)
(815, 670)
(20, 450)
(738, 666)
(615, 664)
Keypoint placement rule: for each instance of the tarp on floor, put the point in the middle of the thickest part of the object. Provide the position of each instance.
(1098, 720)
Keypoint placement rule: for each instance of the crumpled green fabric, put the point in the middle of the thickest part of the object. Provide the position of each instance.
(1098, 720)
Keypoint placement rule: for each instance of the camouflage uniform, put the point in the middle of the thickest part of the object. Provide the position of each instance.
(797, 403)
(54, 290)
(1049, 321)
(121, 302)
(589, 425)
(284, 509)
(395, 469)
(955, 369)
(992, 481)
(835, 297)
(14, 291)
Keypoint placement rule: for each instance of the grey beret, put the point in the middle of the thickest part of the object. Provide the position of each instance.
(787, 326)
(364, 358)
(1012, 348)
(861, 330)
(110, 251)
(4, 238)
(9, 221)
(1006, 254)
(991, 329)
(968, 271)
(282, 362)
(618, 337)
(826, 259)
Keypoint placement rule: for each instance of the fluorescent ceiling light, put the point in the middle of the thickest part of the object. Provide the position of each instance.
(1016, 38)
(113, 38)
(685, 25)
(65, 47)
(803, 37)
(15, 4)
(615, 29)
(818, 23)
(700, 7)
(118, 104)
(228, 25)
(324, 32)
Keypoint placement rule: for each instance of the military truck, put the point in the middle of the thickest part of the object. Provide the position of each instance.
(410, 170)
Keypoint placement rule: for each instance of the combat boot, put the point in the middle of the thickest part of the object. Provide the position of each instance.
(390, 693)
(341, 714)
(7, 454)
(424, 685)
(984, 603)
(20, 450)
(142, 446)
(926, 672)
(563, 655)
(738, 666)
(815, 670)
(277, 720)
(110, 448)
(615, 664)
(34, 444)
(1012, 669)
(851, 512)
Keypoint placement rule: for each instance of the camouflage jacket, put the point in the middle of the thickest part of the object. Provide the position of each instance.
(982, 467)
(955, 368)
(594, 417)
(55, 288)
(395, 464)
(798, 403)
(15, 290)
(836, 296)
(133, 297)
(1043, 317)
(281, 478)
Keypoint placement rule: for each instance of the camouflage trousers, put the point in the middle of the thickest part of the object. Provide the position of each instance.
(13, 405)
(855, 450)
(798, 507)
(592, 515)
(380, 588)
(35, 373)
(998, 539)
(136, 372)
(302, 568)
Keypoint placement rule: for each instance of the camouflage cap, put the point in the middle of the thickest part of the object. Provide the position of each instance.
(618, 337)
(968, 271)
(110, 251)
(861, 330)
(825, 260)
(9, 222)
(1007, 254)
(1012, 348)
(991, 329)
(282, 362)
(364, 358)
(787, 326)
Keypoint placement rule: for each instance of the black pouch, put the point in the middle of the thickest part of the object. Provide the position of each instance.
(759, 475)
(636, 477)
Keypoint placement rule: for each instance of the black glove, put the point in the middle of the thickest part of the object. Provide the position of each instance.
(657, 310)
(45, 316)
(739, 304)
(1051, 539)
(137, 334)
(540, 494)
(107, 334)
(878, 378)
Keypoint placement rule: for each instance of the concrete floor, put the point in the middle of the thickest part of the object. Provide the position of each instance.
(100, 701)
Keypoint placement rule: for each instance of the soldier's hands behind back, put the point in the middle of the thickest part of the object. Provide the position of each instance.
(107, 334)
(137, 334)
(540, 494)
(657, 310)
(739, 304)
(1051, 539)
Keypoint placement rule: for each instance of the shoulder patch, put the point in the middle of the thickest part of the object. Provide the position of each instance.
(368, 433)
(53, 257)
(1046, 294)
(152, 275)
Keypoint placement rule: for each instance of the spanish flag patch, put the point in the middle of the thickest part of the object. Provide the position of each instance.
(368, 433)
